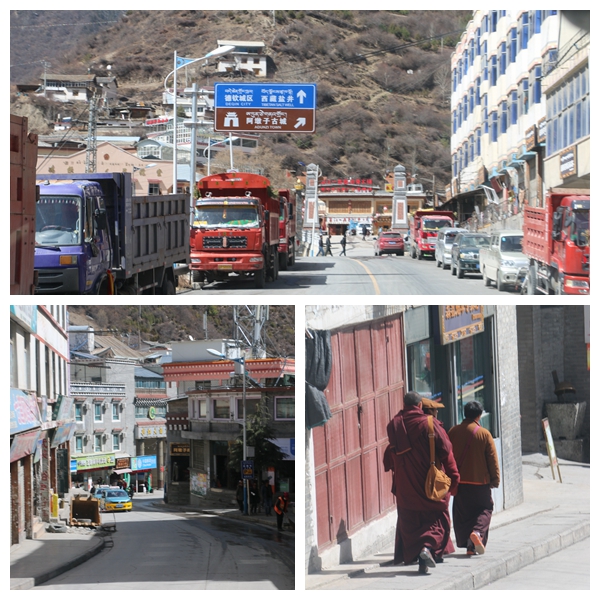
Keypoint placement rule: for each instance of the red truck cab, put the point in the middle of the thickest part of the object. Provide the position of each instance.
(235, 232)
(424, 228)
(556, 239)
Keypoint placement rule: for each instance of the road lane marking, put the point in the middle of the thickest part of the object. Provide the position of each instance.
(374, 281)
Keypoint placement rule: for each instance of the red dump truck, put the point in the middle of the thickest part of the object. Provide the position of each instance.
(556, 239)
(235, 232)
(424, 227)
(23, 196)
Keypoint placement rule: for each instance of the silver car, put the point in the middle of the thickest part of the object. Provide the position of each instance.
(443, 246)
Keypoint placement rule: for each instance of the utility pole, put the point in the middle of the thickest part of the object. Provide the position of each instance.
(92, 139)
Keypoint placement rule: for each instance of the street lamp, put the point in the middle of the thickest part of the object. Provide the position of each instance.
(240, 369)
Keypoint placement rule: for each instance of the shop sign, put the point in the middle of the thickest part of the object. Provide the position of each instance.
(24, 445)
(96, 461)
(143, 463)
(61, 411)
(247, 469)
(62, 434)
(24, 411)
(27, 314)
(151, 431)
(180, 449)
(568, 158)
(122, 463)
(287, 446)
(460, 321)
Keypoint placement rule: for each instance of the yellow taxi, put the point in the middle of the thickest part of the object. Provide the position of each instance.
(115, 500)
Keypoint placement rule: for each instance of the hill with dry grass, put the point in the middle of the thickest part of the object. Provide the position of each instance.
(383, 77)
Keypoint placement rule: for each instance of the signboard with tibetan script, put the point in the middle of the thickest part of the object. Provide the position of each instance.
(459, 321)
(265, 107)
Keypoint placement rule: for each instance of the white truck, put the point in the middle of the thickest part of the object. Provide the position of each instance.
(502, 260)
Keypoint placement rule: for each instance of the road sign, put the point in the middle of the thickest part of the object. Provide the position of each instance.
(247, 469)
(265, 107)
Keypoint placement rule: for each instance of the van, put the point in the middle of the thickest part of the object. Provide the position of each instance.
(443, 247)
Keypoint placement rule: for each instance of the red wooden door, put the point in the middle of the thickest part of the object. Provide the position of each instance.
(365, 390)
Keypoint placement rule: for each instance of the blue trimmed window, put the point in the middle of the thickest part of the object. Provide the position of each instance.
(514, 108)
(513, 44)
(502, 58)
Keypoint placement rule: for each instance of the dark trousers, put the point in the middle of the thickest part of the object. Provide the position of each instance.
(279, 521)
(472, 511)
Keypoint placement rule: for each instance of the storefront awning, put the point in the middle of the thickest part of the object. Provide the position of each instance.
(121, 471)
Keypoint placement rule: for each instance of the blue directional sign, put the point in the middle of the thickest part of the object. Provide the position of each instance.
(266, 107)
(265, 95)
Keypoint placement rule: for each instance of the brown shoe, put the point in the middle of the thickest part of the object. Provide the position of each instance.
(477, 543)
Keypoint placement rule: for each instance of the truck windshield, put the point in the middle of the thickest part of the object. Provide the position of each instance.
(434, 224)
(580, 228)
(226, 216)
(511, 243)
(58, 221)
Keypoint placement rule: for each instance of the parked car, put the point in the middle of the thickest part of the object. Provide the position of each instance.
(389, 242)
(115, 500)
(443, 247)
(504, 258)
(465, 253)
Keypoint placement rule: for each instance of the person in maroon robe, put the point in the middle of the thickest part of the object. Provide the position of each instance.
(424, 524)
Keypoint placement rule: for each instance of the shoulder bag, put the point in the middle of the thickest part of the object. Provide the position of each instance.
(437, 482)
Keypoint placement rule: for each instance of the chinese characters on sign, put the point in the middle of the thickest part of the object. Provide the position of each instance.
(460, 321)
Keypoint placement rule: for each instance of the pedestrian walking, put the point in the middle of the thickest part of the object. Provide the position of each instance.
(254, 497)
(280, 507)
(477, 462)
(343, 243)
(239, 495)
(328, 246)
(321, 247)
(267, 497)
(423, 523)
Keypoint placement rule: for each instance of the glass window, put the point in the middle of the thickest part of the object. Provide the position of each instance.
(97, 411)
(116, 444)
(420, 372)
(285, 408)
(79, 444)
(116, 413)
(514, 108)
(503, 58)
(504, 117)
(78, 412)
(221, 408)
(98, 442)
(251, 407)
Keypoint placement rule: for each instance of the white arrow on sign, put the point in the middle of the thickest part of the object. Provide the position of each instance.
(301, 96)
(300, 122)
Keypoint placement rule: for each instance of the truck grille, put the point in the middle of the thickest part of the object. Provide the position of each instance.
(234, 241)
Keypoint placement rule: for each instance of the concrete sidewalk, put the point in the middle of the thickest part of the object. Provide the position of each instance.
(33, 562)
(553, 516)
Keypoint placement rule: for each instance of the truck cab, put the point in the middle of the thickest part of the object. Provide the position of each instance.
(72, 241)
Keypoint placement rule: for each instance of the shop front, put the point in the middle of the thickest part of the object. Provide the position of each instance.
(92, 469)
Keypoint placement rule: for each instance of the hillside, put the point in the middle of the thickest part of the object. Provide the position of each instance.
(176, 323)
(383, 77)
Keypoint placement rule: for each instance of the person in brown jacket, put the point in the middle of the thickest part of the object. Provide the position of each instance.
(477, 462)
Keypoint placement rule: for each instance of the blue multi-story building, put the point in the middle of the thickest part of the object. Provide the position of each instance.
(520, 108)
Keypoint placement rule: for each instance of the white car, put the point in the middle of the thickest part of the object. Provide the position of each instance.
(443, 246)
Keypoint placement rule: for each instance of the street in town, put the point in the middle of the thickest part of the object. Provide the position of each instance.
(156, 547)
(359, 273)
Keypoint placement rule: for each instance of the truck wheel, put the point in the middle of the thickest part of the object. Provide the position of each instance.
(419, 256)
(259, 279)
(292, 253)
(283, 262)
(168, 288)
(412, 253)
(197, 276)
(128, 290)
(452, 269)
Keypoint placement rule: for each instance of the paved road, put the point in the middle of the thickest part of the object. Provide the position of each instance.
(360, 273)
(159, 550)
(568, 569)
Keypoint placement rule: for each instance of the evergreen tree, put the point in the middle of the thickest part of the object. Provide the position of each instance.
(259, 433)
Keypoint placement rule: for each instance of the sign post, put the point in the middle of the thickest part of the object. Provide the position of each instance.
(551, 450)
(265, 107)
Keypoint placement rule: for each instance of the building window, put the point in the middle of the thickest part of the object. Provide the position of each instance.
(251, 407)
(285, 409)
(513, 44)
(153, 189)
(221, 408)
(503, 58)
(116, 413)
(514, 108)
(493, 71)
(494, 126)
(78, 412)
(198, 406)
(524, 30)
(98, 442)
(97, 412)
(536, 85)
(116, 441)
(503, 116)
(478, 143)
(485, 113)
(78, 444)
(523, 97)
